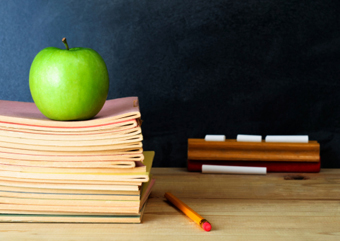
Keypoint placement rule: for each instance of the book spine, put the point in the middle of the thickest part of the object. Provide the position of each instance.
(310, 167)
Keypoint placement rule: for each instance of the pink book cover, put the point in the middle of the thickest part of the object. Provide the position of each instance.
(26, 113)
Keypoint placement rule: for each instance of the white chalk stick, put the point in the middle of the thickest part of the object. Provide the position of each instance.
(249, 138)
(215, 138)
(233, 169)
(288, 138)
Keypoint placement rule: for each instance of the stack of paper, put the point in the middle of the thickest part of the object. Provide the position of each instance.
(73, 171)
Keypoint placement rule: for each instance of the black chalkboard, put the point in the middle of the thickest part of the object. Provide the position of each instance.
(198, 67)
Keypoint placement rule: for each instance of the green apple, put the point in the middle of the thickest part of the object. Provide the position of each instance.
(69, 84)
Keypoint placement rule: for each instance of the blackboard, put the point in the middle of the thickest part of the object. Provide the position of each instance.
(198, 67)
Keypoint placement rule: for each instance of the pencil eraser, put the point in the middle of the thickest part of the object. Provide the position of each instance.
(249, 138)
(288, 138)
(206, 226)
(214, 137)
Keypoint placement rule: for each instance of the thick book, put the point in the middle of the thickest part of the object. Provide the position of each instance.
(20, 205)
(71, 203)
(75, 205)
(53, 217)
(27, 114)
(275, 166)
(114, 184)
(232, 150)
(92, 175)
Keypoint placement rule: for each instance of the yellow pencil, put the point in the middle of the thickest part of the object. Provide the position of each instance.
(188, 211)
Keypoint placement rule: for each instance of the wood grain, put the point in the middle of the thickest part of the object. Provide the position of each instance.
(231, 150)
(271, 207)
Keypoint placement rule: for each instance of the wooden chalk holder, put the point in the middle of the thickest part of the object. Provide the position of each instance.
(230, 149)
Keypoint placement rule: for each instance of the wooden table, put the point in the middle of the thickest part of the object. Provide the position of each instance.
(239, 207)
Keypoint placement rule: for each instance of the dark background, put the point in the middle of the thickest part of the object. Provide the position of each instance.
(198, 67)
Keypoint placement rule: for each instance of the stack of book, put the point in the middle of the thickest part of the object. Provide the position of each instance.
(73, 171)
(276, 157)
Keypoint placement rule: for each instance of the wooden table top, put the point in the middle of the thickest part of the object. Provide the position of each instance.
(277, 206)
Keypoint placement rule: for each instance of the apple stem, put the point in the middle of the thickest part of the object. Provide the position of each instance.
(65, 42)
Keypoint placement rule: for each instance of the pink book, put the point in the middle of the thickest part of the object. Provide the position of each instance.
(15, 113)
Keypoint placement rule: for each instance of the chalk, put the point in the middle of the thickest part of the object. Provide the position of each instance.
(233, 169)
(288, 138)
(249, 138)
(214, 137)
